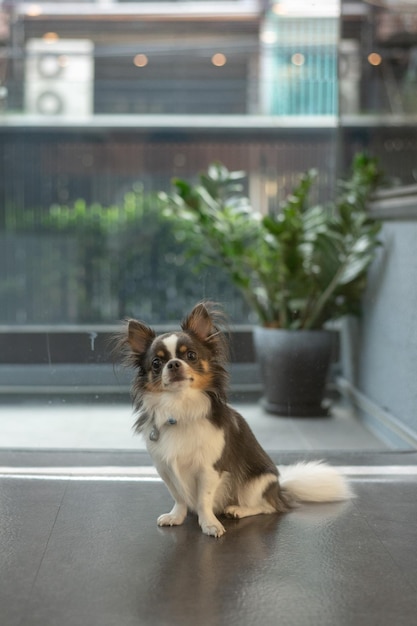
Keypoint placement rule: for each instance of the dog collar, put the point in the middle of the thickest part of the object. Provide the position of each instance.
(155, 432)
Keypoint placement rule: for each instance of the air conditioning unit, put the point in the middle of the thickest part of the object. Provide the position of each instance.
(59, 77)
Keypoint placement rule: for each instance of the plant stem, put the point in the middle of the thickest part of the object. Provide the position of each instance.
(321, 302)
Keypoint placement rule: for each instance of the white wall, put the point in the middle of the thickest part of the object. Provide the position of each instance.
(380, 360)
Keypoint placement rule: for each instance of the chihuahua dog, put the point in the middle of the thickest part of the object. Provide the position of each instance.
(202, 448)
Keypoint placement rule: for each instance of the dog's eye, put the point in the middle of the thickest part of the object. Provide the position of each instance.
(156, 364)
(191, 356)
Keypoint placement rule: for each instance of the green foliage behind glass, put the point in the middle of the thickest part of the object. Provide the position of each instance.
(113, 262)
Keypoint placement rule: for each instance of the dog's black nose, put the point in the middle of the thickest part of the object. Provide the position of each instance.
(174, 364)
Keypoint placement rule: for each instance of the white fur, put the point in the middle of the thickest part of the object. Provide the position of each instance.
(170, 343)
(183, 403)
(314, 481)
(188, 453)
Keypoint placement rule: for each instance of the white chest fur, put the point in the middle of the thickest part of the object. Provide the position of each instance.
(184, 406)
(186, 449)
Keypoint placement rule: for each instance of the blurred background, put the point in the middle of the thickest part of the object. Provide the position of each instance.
(103, 102)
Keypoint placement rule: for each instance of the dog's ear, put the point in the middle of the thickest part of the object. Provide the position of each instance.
(200, 322)
(139, 336)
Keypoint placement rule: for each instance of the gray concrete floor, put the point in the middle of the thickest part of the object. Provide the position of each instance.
(79, 544)
(86, 550)
(109, 426)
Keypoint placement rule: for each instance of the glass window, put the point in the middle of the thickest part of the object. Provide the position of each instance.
(102, 104)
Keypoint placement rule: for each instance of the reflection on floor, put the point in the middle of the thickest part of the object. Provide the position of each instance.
(109, 426)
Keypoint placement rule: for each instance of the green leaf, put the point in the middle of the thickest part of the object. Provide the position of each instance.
(357, 265)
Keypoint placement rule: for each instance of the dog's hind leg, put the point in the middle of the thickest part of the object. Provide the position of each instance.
(239, 512)
(259, 496)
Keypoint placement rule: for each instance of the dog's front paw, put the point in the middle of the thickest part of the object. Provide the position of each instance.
(175, 517)
(168, 519)
(213, 528)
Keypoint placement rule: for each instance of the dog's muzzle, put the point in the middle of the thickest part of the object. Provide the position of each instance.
(175, 371)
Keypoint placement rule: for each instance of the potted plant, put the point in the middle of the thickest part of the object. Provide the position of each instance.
(299, 268)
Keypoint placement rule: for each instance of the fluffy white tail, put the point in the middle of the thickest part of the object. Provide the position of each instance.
(314, 481)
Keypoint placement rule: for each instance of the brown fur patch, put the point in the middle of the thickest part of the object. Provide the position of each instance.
(275, 496)
(201, 381)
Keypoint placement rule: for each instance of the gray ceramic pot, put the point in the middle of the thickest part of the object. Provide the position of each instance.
(294, 366)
